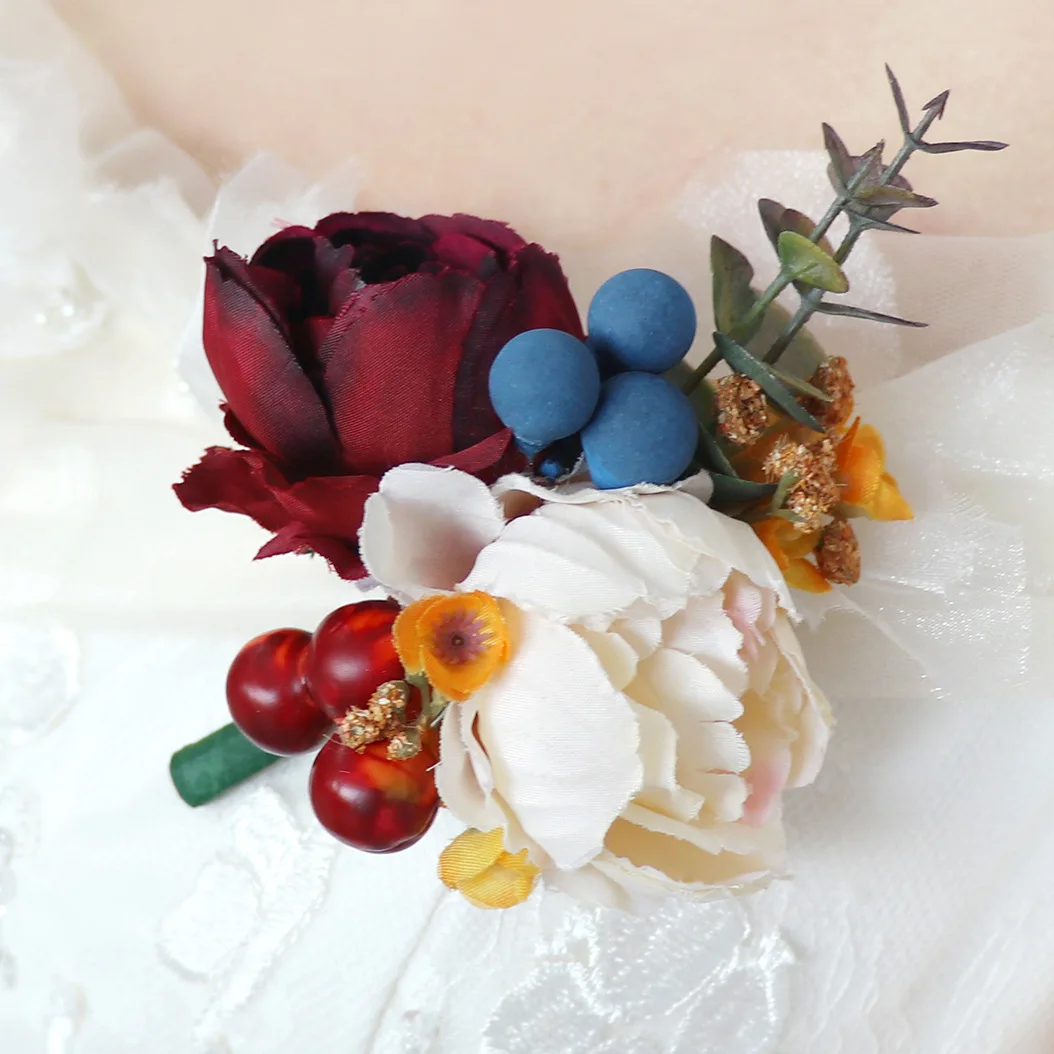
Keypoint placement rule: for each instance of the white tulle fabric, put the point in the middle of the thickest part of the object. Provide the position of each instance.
(918, 918)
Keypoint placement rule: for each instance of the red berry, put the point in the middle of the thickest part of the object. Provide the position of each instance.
(268, 697)
(371, 802)
(352, 653)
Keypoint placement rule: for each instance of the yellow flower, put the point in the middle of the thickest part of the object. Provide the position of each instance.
(789, 548)
(477, 865)
(458, 642)
(867, 486)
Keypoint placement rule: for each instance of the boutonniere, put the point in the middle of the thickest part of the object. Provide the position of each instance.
(583, 547)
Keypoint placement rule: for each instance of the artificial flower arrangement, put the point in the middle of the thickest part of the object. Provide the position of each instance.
(585, 649)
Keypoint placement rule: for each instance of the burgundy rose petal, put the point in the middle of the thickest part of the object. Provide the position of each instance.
(513, 460)
(497, 235)
(316, 329)
(545, 297)
(327, 509)
(291, 250)
(497, 321)
(466, 254)
(265, 386)
(290, 539)
(329, 505)
(237, 431)
(344, 287)
(343, 227)
(483, 458)
(325, 515)
(341, 556)
(272, 289)
(390, 365)
(290, 254)
(242, 481)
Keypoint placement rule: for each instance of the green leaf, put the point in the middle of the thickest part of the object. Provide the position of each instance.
(806, 262)
(786, 514)
(802, 358)
(850, 172)
(729, 490)
(712, 456)
(954, 148)
(778, 218)
(733, 298)
(900, 197)
(827, 308)
(840, 171)
(796, 384)
(743, 362)
(872, 223)
(869, 163)
(898, 98)
(783, 488)
(938, 102)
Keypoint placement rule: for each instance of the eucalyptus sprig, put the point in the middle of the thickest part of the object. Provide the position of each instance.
(868, 193)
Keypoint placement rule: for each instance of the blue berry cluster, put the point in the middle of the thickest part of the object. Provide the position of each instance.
(554, 391)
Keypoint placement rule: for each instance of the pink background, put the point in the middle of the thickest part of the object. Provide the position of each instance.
(574, 115)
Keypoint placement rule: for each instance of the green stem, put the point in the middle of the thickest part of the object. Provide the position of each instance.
(700, 372)
(811, 300)
(214, 765)
(761, 305)
(910, 144)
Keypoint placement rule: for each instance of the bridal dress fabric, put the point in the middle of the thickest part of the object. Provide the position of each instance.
(916, 913)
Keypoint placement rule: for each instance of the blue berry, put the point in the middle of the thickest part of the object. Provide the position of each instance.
(550, 468)
(643, 319)
(544, 385)
(560, 458)
(644, 431)
(607, 364)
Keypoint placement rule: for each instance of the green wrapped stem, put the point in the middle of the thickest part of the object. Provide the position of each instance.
(204, 770)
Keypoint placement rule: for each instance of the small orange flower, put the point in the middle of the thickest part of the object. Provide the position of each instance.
(458, 642)
(867, 486)
(790, 549)
(477, 865)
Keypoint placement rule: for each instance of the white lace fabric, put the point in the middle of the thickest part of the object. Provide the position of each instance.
(917, 915)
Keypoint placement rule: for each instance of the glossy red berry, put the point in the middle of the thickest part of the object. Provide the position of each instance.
(352, 653)
(371, 802)
(268, 697)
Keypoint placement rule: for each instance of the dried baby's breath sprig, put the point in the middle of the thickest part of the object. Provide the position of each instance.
(787, 455)
(382, 718)
(805, 473)
(832, 377)
(406, 743)
(838, 556)
(742, 414)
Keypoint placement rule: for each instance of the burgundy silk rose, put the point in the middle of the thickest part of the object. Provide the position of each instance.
(359, 345)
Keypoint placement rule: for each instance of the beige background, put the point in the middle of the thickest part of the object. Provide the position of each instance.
(574, 115)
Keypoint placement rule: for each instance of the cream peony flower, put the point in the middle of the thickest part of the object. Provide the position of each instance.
(655, 702)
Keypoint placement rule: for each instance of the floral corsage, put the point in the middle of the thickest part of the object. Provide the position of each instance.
(580, 636)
